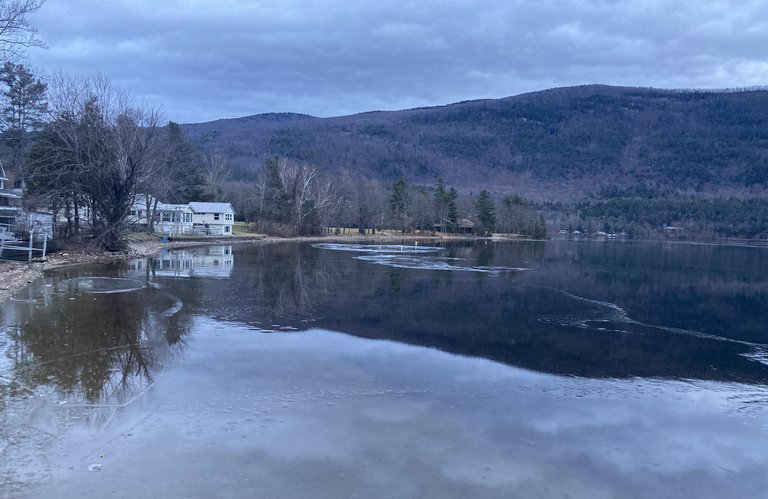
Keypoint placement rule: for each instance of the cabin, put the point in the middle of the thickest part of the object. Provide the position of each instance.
(465, 226)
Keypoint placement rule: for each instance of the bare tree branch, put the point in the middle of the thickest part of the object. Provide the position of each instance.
(16, 33)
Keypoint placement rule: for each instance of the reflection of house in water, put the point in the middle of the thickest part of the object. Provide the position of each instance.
(210, 261)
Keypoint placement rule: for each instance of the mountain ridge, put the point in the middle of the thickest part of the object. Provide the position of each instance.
(562, 143)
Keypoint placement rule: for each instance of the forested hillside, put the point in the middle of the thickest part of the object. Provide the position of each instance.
(591, 157)
(554, 145)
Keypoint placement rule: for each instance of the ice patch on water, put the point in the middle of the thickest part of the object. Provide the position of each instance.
(759, 354)
(617, 320)
(409, 257)
(378, 248)
(433, 263)
(104, 285)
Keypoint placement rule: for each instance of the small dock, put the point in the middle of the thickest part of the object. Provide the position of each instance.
(13, 249)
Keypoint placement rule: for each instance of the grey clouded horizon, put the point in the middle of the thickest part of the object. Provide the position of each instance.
(204, 60)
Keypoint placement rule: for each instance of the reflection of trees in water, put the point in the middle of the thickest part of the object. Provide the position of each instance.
(289, 291)
(287, 283)
(95, 346)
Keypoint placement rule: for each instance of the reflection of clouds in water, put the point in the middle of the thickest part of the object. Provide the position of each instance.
(378, 248)
(434, 263)
(391, 255)
(103, 285)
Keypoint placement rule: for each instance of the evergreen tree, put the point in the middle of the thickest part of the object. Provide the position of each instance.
(453, 211)
(23, 111)
(486, 212)
(185, 166)
(276, 207)
(540, 229)
(399, 203)
(446, 212)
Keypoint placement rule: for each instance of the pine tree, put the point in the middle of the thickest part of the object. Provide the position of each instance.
(23, 111)
(486, 212)
(399, 203)
(185, 166)
(276, 200)
(453, 211)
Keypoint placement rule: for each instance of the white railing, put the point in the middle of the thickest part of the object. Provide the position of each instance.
(8, 245)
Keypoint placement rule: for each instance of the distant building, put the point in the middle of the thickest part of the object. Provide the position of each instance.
(465, 226)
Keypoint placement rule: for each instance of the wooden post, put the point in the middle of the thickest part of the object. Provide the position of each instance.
(31, 240)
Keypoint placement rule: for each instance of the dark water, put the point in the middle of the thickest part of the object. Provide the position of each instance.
(583, 309)
(664, 342)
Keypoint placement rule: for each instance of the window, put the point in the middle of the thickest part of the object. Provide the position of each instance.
(226, 228)
(165, 216)
(133, 213)
(228, 217)
(141, 213)
(216, 216)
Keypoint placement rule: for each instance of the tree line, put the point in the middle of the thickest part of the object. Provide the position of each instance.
(83, 150)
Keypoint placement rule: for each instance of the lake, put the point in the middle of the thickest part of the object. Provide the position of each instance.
(559, 369)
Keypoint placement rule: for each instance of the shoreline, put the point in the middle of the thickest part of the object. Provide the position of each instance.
(15, 276)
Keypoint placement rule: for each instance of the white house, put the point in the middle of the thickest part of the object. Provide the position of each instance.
(192, 218)
(215, 218)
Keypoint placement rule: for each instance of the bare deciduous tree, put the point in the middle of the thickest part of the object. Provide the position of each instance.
(108, 142)
(16, 33)
(216, 172)
(310, 195)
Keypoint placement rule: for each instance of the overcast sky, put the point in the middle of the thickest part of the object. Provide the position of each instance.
(208, 59)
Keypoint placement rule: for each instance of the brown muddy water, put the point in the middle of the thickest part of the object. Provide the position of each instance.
(518, 369)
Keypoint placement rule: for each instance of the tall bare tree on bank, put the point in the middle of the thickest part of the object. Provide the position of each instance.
(308, 194)
(107, 142)
(16, 33)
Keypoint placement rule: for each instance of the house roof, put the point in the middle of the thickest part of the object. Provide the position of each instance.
(172, 207)
(199, 207)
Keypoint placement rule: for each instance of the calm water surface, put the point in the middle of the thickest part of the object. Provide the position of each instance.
(520, 369)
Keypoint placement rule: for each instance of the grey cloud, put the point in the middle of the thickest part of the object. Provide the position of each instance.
(205, 60)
